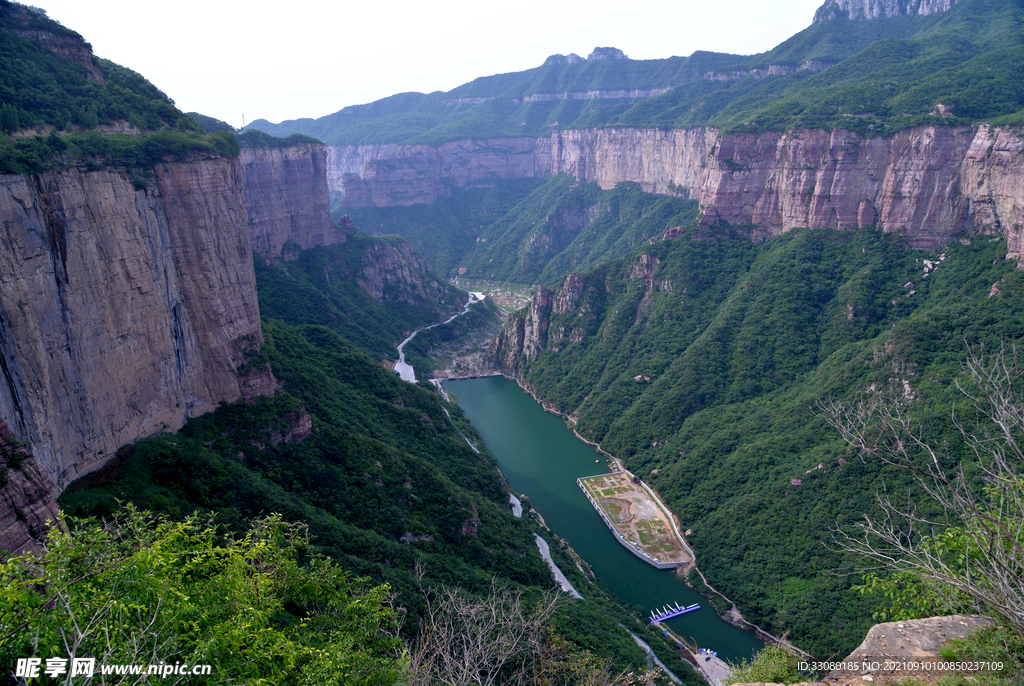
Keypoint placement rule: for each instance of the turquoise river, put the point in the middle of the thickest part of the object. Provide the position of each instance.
(541, 458)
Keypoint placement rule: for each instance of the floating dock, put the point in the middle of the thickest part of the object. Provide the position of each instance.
(668, 612)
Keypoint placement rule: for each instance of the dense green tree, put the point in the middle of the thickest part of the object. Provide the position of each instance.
(87, 117)
(9, 118)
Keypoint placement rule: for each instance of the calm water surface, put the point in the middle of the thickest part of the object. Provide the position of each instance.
(542, 459)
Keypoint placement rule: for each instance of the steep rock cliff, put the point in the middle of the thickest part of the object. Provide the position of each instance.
(929, 183)
(395, 272)
(522, 338)
(286, 198)
(123, 311)
(873, 9)
(385, 175)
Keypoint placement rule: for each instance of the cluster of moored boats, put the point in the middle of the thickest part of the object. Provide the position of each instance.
(669, 611)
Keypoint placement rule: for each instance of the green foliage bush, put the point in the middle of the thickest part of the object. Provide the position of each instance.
(253, 138)
(143, 590)
(209, 124)
(774, 665)
(93, 150)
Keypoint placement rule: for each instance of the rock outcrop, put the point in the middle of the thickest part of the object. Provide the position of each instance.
(874, 9)
(392, 271)
(915, 641)
(899, 643)
(522, 338)
(26, 499)
(929, 183)
(124, 311)
(286, 198)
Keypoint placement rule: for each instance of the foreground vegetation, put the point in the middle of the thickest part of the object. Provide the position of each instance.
(139, 590)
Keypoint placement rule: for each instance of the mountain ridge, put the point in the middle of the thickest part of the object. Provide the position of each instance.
(893, 68)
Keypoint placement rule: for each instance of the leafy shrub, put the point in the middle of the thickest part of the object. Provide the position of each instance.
(774, 664)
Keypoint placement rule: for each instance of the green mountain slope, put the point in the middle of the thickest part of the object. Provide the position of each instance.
(530, 231)
(874, 76)
(505, 110)
(703, 360)
(51, 83)
(370, 290)
(44, 88)
(890, 74)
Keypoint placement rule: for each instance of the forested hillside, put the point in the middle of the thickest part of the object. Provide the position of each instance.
(529, 231)
(370, 290)
(700, 361)
(51, 83)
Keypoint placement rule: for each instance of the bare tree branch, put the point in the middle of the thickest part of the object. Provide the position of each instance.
(975, 550)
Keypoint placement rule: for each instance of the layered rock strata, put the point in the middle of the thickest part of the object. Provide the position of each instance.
(286, 198)
(124, 310)
(928, 183)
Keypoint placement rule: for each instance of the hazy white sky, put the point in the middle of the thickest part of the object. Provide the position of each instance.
(301, 58)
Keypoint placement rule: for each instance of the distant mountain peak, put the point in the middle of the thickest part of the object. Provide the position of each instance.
(571, 58)
(606, 54)
(874, 9)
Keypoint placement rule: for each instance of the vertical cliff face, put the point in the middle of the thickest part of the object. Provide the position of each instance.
(661, 161)
(908, 183)
(386, 175)
(123, 312)
(928, 183)
(286, 198)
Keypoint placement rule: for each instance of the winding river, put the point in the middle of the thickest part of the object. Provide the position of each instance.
(542, 459)
(404, 369)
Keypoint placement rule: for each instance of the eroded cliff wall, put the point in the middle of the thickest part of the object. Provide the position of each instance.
(286, 198)
(929, 183)
(123, 311)
(385, 175)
